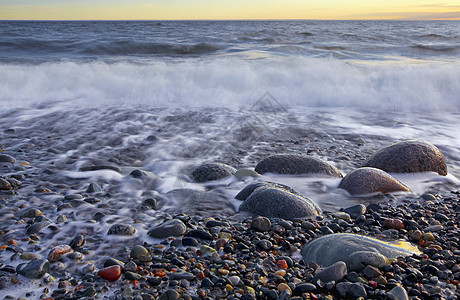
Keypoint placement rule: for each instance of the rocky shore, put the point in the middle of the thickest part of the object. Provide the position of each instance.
(86, 214)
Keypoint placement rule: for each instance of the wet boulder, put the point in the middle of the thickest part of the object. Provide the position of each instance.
(371, 180)
(355, 250)
(409, 156)
(275, 202)
(212, 171)
(296, 165)
(249, 189)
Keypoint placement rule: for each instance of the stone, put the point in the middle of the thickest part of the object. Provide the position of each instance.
(371, 180)
(169, 295)
(37, 227)
(77, 242)
(398, 293)
(31, 213)
(275, 202)
(138, 251)
(58, 252)
(356, 210)
(296, 165)
(335, 272)
(245, 173)
(121, 229)
(249, 189)
(409, 156)
(93, 188)
(371, 272)
(264, 245)
(198, 202)
(212, 171)
(359, 259)
(111, 273)
(261, 224)
(182, 275)
(342, 288)
(100, 167)
(332, 248)
(34, 269)
(172, 227)
(5, 185)
(304, 288)
(5, 158)
(199, 234)
(357, 290)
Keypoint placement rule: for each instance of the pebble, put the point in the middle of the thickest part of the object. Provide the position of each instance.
(121, 229)
(5, 158)
(182, 275)
(357, 290)
(111, 273)
(58, 252)
(173, 227)
(138, 251)
(212, 171)
(260, 224)
(398, 293)
(356, 210)
(334, 272)
(34, 269)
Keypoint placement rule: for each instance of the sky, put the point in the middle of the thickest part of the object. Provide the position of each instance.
(228, 9)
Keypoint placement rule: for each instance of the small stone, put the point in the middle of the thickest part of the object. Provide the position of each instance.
(58, 252)
(398, 293)
(150, 203)
(189, 241)
(333, 273)
(138, 251)
(182, 275)
(77, 242)
(121, 229)
(34, 269)
(244, 173)
(31, 213)
(29, 256)
(169, 295)
(261, 224)
(94, 188)
(283, 287)
(199, 234)
(37, 227)
(305, 288)
(111, 273)
(342, 216)
(356, 210)
(371, 272)
(5, 158)
(172, 227)
(132, 276)
(5, 185)
(100, 167)
(357, 290)
(264, 245)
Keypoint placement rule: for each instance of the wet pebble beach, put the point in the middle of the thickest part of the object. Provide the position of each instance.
(143, 203)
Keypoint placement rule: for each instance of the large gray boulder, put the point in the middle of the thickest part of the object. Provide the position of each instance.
(407, 157)
(274, 202)
(371, 180)
(250, 188)
(355, 250)
(296, 165)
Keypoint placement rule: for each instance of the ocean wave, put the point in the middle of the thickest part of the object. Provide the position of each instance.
(436, 48)
(136, 48)
(232, 82)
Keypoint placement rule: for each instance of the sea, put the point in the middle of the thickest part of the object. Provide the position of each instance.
(164, 97)
(188, 92)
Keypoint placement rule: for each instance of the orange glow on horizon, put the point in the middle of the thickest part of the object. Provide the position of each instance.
(228, 10)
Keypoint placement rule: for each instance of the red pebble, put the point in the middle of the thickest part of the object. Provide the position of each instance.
(111, 273)
(393, 224)
(282, 264)
(373, 284)
(58, 252)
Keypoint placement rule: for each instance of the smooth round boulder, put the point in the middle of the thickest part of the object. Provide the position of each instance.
(212, 171)
(364, 181)
(121, 229)
(329, 249)
(273, 202)
(250, 188)
(408, 157)
(169, 228)
(296, 165)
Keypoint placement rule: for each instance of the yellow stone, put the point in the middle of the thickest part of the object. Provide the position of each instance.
(280, 273)
(282, 287)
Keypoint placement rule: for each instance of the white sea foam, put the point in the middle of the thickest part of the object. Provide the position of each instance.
(228, 81)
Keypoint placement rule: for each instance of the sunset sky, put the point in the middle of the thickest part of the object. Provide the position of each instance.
(227, 9)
